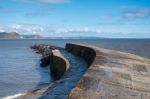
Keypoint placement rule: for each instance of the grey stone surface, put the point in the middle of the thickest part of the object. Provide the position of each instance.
(112, 75)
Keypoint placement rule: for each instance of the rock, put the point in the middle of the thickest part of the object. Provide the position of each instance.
(45, 51)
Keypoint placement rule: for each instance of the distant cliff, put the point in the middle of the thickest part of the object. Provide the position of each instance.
(14, 35)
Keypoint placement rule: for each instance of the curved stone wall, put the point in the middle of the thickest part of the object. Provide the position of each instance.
(58, 65)
(111, 74)
(87, 53)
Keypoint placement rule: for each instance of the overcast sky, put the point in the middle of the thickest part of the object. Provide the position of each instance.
(65, 18)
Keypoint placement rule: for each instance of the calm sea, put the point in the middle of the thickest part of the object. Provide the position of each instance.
(19, 65)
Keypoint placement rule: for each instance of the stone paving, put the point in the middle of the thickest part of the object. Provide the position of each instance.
(114, 75)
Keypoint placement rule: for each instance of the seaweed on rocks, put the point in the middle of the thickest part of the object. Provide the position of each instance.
(45, 51)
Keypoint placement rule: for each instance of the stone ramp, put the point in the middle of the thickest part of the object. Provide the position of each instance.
(112, 75)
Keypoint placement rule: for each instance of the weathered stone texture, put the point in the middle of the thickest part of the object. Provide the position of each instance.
(112, 75)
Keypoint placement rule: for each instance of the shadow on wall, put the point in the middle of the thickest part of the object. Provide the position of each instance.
(88, 54)
(58, 67)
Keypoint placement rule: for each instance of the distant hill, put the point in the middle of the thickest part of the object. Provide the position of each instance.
(9, 35)
(14, 35)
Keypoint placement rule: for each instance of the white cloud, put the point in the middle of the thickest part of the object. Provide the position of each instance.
(144, 13)
(86, 29)
(29, 29)
(2, 30)
(79, 32)
(47, 31)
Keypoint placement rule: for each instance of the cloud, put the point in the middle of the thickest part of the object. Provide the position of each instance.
(144, 13)
(109, 20)
(27, 28)
(1, 29)
(46, 31)
(24, 29)
(78, 32)
(44, 1)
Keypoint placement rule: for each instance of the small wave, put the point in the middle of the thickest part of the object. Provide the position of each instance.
(14, 96)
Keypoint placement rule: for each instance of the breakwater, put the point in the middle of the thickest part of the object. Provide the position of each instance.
(110, 75)
(60, 88)
(53, 57)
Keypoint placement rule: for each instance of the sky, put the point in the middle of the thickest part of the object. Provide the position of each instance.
(77, 18)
